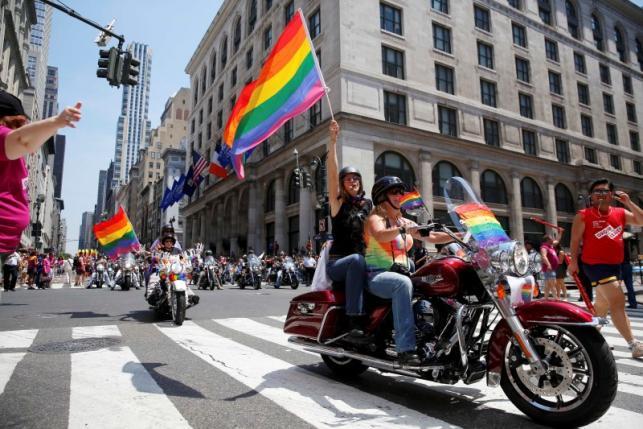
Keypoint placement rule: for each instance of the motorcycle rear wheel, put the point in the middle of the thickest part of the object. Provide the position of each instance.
(579, 386)
(344, 367)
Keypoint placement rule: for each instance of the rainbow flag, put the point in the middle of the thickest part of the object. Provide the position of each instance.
(289, 83)
(411, 200)
(116, 235)
(482, 224)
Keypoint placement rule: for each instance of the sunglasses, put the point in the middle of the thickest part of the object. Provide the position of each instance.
(352, 179)
(601, 191)
(397, 192)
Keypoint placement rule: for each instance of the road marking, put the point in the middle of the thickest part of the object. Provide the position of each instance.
(281, 319)
(110, 388)
(95, 331)
(317, 400)
(17, 339)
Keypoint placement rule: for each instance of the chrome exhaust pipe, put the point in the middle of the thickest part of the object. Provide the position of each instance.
(381, 364)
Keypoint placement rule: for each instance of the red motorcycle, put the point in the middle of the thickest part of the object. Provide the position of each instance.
(475, 317)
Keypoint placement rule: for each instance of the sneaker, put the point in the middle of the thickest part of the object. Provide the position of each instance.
(637, 350)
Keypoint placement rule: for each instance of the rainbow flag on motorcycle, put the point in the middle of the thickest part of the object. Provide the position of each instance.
(411, 200)
(116, 235)
(289, 83)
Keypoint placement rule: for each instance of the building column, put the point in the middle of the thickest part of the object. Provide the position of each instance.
(187, 230)
(234, 246)
(252, 215)
(474, 166)
(550, 208)
(305, 212)
(218, 237)
(280, 212)
(234, 227)
(426, 184)
(196, 225)
(517, 230)
(203, 230)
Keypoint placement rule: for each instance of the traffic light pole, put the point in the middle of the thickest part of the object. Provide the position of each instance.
(69, 11)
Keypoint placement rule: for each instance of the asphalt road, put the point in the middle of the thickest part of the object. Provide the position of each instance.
(99, 359)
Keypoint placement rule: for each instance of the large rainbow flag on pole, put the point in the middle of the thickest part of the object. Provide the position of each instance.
(290, 82)
(116, 235)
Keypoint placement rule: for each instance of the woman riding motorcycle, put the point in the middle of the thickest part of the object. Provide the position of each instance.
(348, 210)
(389, 236)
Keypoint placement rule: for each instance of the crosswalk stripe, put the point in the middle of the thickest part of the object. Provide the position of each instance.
(611, 329)
(126, 393)
(95, 331)
(315, 399)
(281, 319)
(17, 339)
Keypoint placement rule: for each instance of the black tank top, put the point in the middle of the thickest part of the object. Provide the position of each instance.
(348, 228)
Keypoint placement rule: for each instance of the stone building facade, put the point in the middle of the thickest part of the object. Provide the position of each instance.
(528, 100)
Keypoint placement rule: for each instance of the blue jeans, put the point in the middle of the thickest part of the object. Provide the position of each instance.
(399, 288)
(351, 270)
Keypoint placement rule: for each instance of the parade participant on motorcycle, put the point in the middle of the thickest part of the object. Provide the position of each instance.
(389, 236)
(166, 230)
(208, 260)
(348, 209)
(601, 227)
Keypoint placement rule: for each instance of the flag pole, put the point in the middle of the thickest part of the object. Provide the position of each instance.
(423, 203)
(321, 76)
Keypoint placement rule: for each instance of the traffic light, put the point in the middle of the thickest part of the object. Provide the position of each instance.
(308, 181)
(129, 71)
(108, 65)
(297, 174)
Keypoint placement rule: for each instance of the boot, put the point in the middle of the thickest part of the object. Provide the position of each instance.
(357, 328)
(409, 358)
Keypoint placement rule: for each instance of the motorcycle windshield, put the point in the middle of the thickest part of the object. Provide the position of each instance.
(471, 216)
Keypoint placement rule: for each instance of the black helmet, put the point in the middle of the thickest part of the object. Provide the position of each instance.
(349, 170)
(208, 253)
(167, 229)
(167, 236)
(384, 185)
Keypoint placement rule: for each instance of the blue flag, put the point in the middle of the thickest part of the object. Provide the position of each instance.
(166, 198)
(189, 186)
(177, 190)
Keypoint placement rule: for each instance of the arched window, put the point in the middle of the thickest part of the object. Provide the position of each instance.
(270, 198)
(442, 172)
(564, 199)
(493, 188)
(619, 40)
(320, 176)
(224, 52)
(213, 67)
(597, 32)
(572, 19)
(186, 114)
(252, 15)
(195, 90)
(236, 39)
(531, 196)
(179, 114)
(394, 164)
(204, 79)
(293, 190)
(639, 52)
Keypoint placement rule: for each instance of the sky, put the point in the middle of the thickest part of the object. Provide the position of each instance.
(172, 32)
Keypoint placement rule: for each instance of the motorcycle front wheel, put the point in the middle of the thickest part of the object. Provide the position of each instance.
(178, 308)
(580, 380)
(344, 367)
(294, 283)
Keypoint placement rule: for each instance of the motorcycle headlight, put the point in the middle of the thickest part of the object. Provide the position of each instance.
(535, 262)
(519, 259)
(500, 260)
(176, 268)
(128, 266)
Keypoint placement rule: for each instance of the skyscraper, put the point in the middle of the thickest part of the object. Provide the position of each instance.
(59, 164)
(86, 233)
(50, 103)
(37, 60)
(102, 191)
(133, 127)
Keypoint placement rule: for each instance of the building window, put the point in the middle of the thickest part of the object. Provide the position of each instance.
(314, 24)
(544, 11)
(488, 92)
(392, 62)
(526, 105)
(519, 34)
(482, 18)
(551, 50)
(224, 53)
(267, 38)
(319, 57)
(270, 197)
(492, 188)
(270, 237)
(393, 164)
(558, 115)
(293, 189)
(564, 199)
(288, 131)
(441, 38)
(606, 78)
(627, 84)
(514, 3)
(221, 92)
(608, 103)
(268, 5)
(390, 18)
(249, 58)
(293, 234)
(440, 6)
(219, 119)
(555, 83)
(579, 63)
(529, 142)
(441, 173)
(233, 78)
(209, 129)
(522, 70)
(200, 117)
(634, 141)
(583, 94)
(615, 162)
(562, 151)
(395, 108)
(265, 148)
(531, 196)
(612, 135)
(631, 112)
(619, 40)
(639, 52)
(572, 20)
(315, 115)
(587, 126)
(491, 132)
(252, 16)
(213, 67)
(448, 121)
(597, 32)
(236, 39)
(444, 78)
(289, 11)
(590, 155)
(636, 165)
(485, 55)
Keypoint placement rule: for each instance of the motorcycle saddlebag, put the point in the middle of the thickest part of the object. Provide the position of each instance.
(315, 315)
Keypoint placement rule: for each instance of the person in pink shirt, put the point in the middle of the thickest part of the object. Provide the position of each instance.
(18, 138)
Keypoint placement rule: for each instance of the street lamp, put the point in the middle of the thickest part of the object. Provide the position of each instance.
(36, 227)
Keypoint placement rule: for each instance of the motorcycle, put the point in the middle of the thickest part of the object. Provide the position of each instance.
(287, 274)
(170, 295)
(99, 277)
(127, 276)
(208, 278)
(250, 273)
(475, 318)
